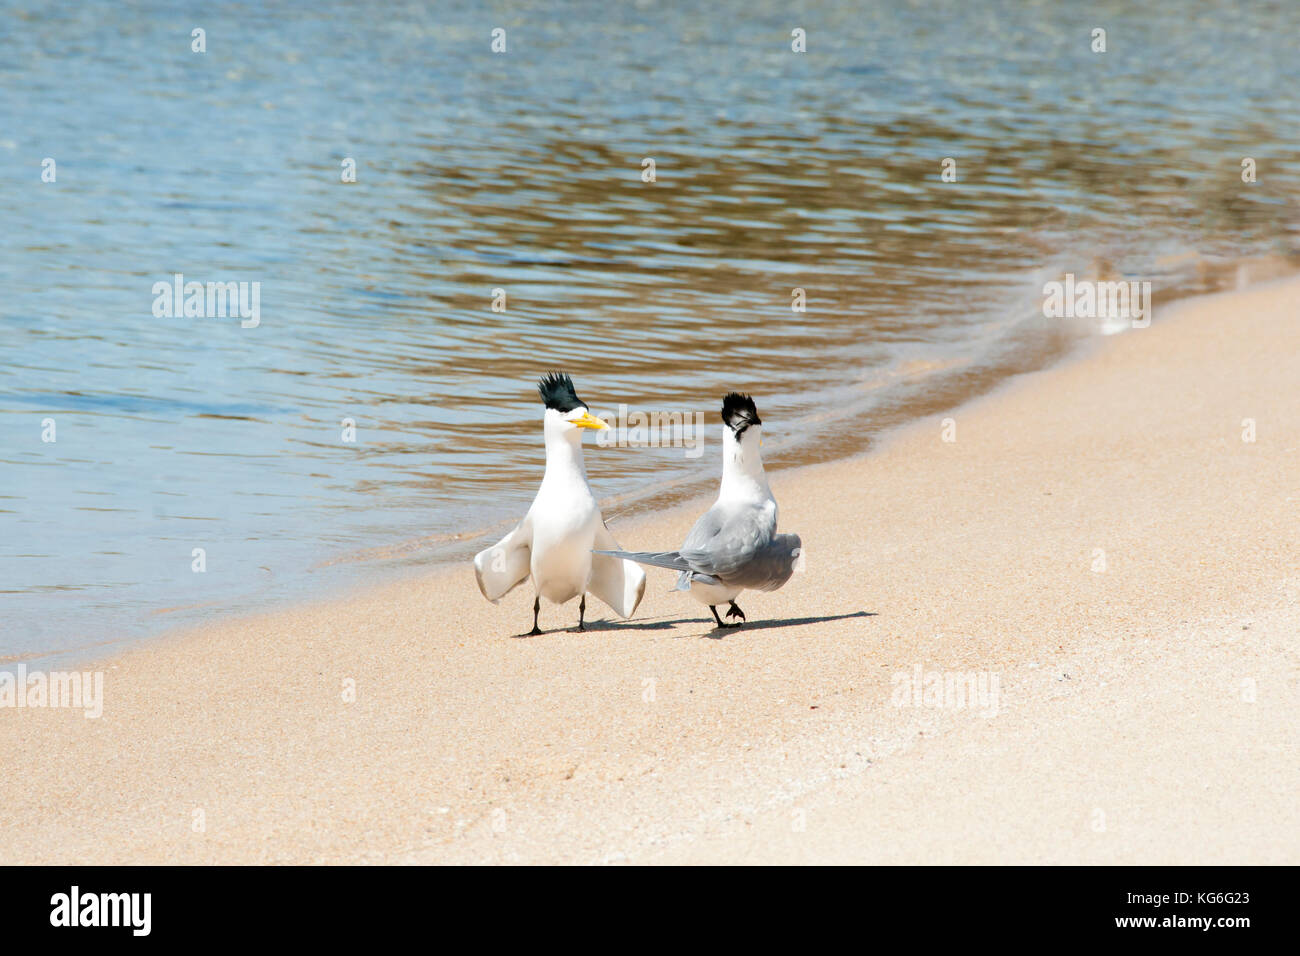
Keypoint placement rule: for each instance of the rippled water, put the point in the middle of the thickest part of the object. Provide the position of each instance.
(522, 171)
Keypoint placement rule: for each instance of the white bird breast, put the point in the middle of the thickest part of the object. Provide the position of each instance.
(564, 532)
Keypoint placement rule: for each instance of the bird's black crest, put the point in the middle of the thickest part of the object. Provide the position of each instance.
(738, 412)
(557, 392)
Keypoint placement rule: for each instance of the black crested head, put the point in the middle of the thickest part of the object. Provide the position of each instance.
(738, 413)
(557, 392)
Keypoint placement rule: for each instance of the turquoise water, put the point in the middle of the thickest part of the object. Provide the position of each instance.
(523, 171)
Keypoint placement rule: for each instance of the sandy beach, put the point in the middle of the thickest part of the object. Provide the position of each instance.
(1099, 544)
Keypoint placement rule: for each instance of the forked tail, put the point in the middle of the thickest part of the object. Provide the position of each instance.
(662, 559)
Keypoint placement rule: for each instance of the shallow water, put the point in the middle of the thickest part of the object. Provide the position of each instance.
(522, 171)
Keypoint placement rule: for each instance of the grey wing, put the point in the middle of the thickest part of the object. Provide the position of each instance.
(723, 542)
(770, 566)
(704, 530)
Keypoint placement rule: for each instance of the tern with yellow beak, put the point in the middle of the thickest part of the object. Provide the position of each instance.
(553, 545)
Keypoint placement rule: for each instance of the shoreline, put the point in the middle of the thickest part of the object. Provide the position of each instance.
(894, 398)
(464, 744)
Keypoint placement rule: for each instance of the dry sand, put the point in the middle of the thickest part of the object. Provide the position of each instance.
(1147, 712)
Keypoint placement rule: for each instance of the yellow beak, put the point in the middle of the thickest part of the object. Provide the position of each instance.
(589, 420)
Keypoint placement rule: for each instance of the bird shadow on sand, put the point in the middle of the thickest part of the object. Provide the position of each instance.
(718, 633)
(662, 624)
(672, 623)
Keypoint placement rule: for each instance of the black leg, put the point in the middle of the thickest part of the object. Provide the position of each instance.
(735, 611)
(537, 609)
(582, 610)
(714, 609)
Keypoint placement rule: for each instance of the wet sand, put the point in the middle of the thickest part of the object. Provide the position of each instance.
(1098, 538)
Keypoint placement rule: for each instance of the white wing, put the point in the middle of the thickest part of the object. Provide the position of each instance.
(504, 566)
(617, 582)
